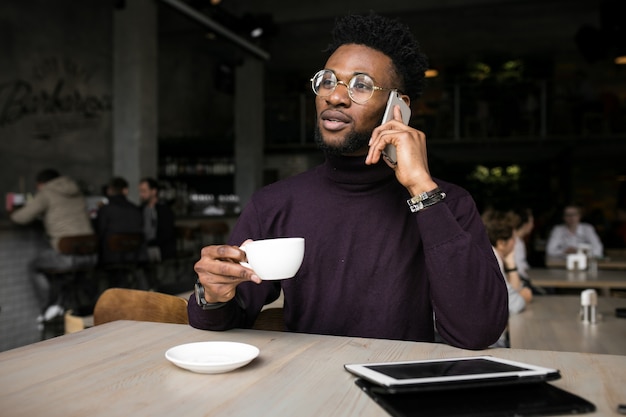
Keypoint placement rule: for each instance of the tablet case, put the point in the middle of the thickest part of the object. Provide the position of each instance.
(540, 399)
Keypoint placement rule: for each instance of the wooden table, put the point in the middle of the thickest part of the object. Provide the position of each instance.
(617, 262)
(119, 369)
(552, 322)
(603, 280)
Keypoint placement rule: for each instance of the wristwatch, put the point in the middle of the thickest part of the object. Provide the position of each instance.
(202, 302)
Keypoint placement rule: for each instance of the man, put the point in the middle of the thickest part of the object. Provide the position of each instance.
(117, 216)
(62, 205)
(566, 238)
(158, 222)
(373, 267)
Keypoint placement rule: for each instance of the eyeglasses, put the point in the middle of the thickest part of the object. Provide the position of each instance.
(360, 87)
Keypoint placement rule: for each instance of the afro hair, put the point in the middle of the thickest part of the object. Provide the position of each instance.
(390, 37)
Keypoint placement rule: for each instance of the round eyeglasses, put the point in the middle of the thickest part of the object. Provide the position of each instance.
(360, 87)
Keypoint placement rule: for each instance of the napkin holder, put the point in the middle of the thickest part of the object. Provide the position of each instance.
(588, 306)
(576, 261)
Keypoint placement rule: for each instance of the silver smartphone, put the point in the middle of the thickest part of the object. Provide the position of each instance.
(394, 99)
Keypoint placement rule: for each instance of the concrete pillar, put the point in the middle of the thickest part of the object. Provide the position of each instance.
(135, 141)
(249, 127)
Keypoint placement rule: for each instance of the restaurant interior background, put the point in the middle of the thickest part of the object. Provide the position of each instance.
(528, 106)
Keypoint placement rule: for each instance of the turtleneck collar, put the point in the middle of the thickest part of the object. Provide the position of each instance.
(353, 170)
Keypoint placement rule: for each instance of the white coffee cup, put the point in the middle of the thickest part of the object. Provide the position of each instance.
(273, 259)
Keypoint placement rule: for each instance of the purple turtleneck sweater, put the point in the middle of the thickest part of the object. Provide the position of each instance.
(371, 267)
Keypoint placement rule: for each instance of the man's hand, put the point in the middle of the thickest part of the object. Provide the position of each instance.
(219, 272)
(412, 162)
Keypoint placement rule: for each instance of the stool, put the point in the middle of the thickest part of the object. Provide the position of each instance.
(69, 281)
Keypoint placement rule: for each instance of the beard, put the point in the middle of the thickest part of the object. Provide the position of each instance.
(353, 142)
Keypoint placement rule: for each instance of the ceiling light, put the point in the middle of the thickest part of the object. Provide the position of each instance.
(431, 73)
(621, 60)
(256, 32)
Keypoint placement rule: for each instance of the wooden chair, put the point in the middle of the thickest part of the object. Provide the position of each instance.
(130, 304)
(270, 319)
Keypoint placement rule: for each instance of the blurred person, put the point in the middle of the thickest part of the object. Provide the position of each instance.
(567, 237)
(119, 215)
(501, 234)
(525, 223)
(61, 205)
(158, 222)
(373, 267)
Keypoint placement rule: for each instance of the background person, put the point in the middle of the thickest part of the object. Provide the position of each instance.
(501, 234)
(524, 225)
(373, 267)
(565, 238)
(118, 216)
(158, 222)
(61, 205)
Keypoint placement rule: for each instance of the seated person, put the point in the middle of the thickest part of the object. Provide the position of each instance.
(566, 238)
(61, 204)
(524, 224)
(373, 267)
(158, 222)
(118, 216)
(499, 227)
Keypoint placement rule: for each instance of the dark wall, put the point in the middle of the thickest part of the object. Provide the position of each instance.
(55, 91)
(196, 76)
(56, 88)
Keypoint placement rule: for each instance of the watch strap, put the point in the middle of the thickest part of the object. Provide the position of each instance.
(202, 302)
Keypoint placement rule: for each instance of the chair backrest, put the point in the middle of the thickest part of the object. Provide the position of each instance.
(124, 242)
(270, 319)
(187, 240)
(128, 304)
(78, 245)
(213, 232)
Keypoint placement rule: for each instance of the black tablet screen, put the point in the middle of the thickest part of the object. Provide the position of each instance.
(443, 368)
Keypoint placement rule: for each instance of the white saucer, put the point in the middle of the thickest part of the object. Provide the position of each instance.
(211, 357)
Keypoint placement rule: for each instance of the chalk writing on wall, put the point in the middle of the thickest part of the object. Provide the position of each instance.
(55, 97)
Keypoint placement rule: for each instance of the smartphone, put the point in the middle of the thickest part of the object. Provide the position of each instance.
(394, 99)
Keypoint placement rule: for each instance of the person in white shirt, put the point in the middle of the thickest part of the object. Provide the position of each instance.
(566, 238)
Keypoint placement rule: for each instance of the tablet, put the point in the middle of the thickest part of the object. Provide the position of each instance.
(434, 374)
